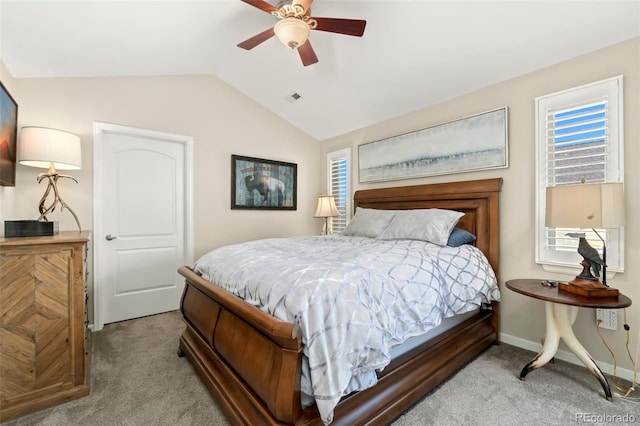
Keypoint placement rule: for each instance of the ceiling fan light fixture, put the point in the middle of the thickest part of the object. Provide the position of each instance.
(292, 32)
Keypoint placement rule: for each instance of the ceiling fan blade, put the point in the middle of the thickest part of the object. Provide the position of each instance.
(307, 54)
(352, 27)
(262, 5)
(252, 42)
(304, 3)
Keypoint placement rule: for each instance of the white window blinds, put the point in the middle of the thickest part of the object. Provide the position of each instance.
(577, 145)
(579, 139)
(338, 173)
(576, 151)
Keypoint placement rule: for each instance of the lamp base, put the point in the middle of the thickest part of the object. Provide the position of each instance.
(29, 228)
(588, 288)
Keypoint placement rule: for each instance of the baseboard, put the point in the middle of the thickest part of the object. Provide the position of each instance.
(564, 355)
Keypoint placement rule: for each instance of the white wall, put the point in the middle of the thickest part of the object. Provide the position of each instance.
(523, 318)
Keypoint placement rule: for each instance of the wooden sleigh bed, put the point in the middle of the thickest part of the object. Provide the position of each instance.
(251, 361)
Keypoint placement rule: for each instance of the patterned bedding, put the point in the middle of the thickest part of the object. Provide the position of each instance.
(354, 298)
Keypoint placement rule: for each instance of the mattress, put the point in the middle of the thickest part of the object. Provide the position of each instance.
(415, 341)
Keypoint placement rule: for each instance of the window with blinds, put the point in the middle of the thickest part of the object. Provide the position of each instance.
(579, 139)
(577, 145)
(338, 172)
(576, 153)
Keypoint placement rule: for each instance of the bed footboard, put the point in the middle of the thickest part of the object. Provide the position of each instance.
(249, 360)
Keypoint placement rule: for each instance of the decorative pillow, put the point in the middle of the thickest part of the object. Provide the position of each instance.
(433, 225)
(459, 237)
(368, 222)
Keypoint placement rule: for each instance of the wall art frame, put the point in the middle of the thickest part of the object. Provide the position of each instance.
(260, 184)
(8, 137)
(476, 142)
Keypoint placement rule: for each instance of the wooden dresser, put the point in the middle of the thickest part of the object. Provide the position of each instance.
(44, 340)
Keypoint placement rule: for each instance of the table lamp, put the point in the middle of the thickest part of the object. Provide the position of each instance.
(50, 149)
(326, 209)
(593, 205)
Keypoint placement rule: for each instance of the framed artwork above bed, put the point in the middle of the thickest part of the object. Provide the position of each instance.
(259, 184)
(477, 142)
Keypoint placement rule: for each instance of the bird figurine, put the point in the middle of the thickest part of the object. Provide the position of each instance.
(589, 254)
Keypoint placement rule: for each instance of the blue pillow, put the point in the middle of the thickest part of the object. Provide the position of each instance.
(459, 237)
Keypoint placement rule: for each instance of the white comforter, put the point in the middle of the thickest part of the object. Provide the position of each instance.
(354, 298)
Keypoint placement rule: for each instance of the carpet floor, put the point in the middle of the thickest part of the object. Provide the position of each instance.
(137, 379)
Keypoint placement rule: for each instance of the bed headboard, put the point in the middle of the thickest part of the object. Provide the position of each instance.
(477, 199)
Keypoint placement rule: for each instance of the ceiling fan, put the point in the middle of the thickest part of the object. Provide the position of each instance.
(294, 25)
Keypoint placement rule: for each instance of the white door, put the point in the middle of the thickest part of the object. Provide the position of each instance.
(142, 221)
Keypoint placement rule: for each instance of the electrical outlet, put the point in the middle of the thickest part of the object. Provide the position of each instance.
(613, 318)
(609, 318)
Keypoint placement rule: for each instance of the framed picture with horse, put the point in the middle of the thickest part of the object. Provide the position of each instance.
(260, 184)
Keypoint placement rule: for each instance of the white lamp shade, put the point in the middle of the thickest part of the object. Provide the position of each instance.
(292, 32)
(326, 206)
(43, 147)
(594, 205)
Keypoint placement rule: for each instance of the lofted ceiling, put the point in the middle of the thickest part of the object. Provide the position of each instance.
(413, 53)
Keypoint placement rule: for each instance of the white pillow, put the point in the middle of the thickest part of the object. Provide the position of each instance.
(368, 222)
(433, 225)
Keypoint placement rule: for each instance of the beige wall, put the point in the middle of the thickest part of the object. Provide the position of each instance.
(221, 121)
(523, 318)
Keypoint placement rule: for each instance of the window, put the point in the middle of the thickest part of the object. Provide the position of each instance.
(338, 175)
(579, 137)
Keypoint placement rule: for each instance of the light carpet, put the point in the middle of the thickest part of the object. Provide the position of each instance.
(138, 379)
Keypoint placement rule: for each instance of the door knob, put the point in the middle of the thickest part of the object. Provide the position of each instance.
(110, 237)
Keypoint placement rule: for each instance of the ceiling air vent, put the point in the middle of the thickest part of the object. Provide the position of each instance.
(292, 97)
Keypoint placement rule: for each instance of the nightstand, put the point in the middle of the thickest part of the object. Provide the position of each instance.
(561, 311)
